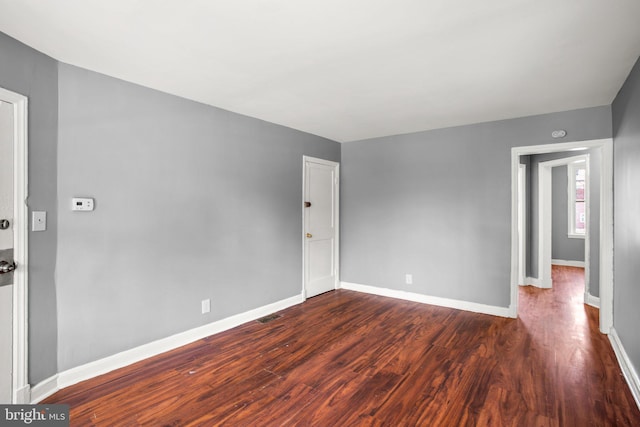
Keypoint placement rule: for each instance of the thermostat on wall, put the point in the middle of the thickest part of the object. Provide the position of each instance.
(81, 204)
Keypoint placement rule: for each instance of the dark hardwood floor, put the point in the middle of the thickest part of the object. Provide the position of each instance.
(345, 358)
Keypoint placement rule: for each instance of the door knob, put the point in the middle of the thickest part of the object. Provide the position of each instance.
(7, 267)
(4, 224)
(309, 235)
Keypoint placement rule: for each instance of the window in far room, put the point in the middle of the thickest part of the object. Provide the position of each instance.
(577, 199)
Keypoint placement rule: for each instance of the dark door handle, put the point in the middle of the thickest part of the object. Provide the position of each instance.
(7, 267)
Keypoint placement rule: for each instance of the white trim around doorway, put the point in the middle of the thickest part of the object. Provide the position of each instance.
(606, 220)
(20, 378)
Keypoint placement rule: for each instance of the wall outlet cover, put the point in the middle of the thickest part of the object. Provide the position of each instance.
(38, 221)
(206, 306)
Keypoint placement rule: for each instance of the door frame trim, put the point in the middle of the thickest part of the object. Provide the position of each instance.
(522, 223)
(545, 223)
(606, 220)
(20, 377)
(336, 212)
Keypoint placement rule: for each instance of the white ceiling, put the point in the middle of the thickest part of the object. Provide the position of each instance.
(349, 69)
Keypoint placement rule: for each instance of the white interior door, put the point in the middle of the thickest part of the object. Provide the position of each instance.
(6, 252)
(320, 219)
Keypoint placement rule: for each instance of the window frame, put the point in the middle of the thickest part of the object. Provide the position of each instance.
(571, 189)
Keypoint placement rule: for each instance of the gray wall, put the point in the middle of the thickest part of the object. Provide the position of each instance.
(626, 128)
(30, 73)
(192, 202)
(437, 204)
(562, 246)
(595, 159)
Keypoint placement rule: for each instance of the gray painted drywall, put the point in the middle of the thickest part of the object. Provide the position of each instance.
(191, 202)
(30, 73)
(437, 204)
(626, 153)
(526, 160)
(595, 159)
(560, 237)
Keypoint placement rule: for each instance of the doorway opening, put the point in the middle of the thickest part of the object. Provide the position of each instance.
(605, 228)
(565, 239)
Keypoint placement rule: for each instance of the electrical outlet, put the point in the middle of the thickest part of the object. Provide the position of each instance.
(408, 279)
(206, 305)
(38, 221)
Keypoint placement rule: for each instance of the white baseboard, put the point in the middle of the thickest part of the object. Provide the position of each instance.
(119, 360)
(44, 389)
(533, 281)
(567, 263)
(537, 282)
(591, 300)
(22, 396)
(628, 370)
(426, 299)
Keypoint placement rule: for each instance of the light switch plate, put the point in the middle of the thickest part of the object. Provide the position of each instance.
(38, 221)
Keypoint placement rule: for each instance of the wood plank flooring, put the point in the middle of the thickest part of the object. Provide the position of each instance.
(351, 359)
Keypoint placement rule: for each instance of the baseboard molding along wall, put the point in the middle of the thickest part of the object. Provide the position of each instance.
(533, 281)
(44, 389)
(23, 395)
(628, 370)
(426, 299)
(145, 351)
(538, 283)
(567, 263)
(591, 300)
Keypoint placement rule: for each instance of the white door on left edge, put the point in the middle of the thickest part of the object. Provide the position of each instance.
(320, 232)
(6, 253)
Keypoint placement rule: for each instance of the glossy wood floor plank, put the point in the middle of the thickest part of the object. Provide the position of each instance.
(345, 358)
